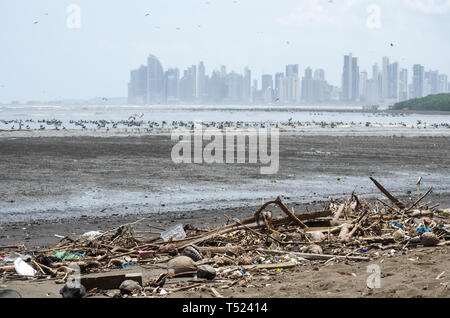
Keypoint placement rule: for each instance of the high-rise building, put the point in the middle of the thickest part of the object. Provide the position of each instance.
(385, 78)
(362, 85)
(137, 87)
(350, 78)
(443, 83)
(308, 86)
(280, 95)
(418, 81)
(432, 82)
(393, 81)
(201, 83)
(266, 82)
(291, 70)
(172, 85)
(188, 85)
(155, 81)
(234, 84)
(403, 85)
(247, 86)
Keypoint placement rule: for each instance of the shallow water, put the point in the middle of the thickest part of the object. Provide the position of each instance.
(103, 202)
(116, 120)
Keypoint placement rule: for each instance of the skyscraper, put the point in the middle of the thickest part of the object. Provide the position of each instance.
(443, 83)
(172, 85)
(155, 81)
(350, 78)
(418, 81)
(201, 83)
(247, 86)
(403, 85)
(385, 78)
(137, 87)
(393, 81)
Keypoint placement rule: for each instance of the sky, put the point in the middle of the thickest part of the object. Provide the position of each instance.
(86, 48)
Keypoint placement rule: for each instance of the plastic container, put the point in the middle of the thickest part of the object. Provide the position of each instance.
(175, 233)
(23, 268)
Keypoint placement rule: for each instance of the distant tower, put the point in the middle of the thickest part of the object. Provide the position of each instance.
(155, 81)
(350, 78)
(418, 81)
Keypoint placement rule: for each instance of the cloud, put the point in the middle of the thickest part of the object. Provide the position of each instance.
(429, 6)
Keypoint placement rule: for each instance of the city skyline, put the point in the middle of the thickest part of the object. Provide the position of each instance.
(389, 83)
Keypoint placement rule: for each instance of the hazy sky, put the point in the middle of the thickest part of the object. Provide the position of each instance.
(51, 59)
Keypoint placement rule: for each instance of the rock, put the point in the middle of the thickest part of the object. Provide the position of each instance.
(399, 235)
(9, 293)
(73, 292)
(429, 239)
(129, 287)
(245, 260)
(315, 249)
(317, 236)
(206, 271)
(193, 252)
(181, 265)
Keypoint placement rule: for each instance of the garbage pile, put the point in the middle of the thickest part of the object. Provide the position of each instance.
(232, 255)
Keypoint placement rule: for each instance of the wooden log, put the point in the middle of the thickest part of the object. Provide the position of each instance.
(310, 256)
(7, 268)
(422, 213)
(284, 208)
(264, 266)
(222, 249)
(393, 199)
(338, 213)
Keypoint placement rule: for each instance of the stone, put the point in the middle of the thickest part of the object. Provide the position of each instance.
(429, 239)
(181, 265)
(206, 271)
(129, 287)
(315, 249)
(71, 292)
(317, 236)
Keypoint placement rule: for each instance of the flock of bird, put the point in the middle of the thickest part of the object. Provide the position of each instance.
(136, 122)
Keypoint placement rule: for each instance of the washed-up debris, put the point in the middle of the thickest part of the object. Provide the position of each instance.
(73, 292)
(129, 287)
(194, 259)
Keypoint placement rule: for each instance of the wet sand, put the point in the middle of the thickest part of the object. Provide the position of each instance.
(72, 185)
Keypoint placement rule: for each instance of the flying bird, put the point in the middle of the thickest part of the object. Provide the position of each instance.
(36, 22)
(392, 44)
(147, 14)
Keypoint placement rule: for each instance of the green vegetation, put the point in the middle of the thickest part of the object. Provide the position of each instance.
(431, 102)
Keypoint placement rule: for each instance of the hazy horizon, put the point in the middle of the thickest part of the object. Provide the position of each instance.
(43, 59)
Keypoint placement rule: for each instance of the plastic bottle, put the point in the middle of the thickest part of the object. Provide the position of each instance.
(175, 233)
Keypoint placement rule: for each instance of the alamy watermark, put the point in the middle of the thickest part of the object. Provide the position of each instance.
(374, 279)
(227, 146)
(74, 18)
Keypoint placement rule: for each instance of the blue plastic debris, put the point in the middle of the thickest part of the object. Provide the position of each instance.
(396, 225)
(422, 229)
(126, 265)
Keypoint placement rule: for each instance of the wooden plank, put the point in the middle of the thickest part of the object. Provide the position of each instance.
(105, 282)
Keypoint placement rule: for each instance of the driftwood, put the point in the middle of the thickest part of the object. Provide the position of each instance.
(310, 256)
(393, 199)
